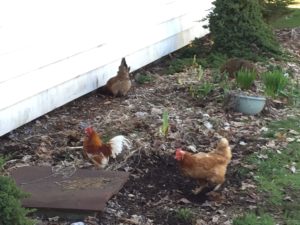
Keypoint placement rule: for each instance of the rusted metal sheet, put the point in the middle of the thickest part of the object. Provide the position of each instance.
(80, 189)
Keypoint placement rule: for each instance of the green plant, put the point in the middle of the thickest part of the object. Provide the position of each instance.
(252, 219)
(275, 175)
(238, 29)
(11, 211)
(2, 161)
(179, 64)
(165, 123)
(293, 93)
(202, 90)
(290, 20)
(184, 214)
(198, 68)
(144, 78)
(213, 59)
(275, 82)
(245, 79)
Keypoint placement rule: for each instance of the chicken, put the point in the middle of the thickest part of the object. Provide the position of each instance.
(99, 152)
(232, 66)
(120, 84)
(207, 168)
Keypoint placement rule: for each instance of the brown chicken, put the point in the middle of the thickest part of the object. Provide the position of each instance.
(232, 66)
(120, 84)
(207, 168)
(99, 152)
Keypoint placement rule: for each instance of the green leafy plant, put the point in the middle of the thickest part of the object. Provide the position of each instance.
(245, 79)
(293, 93)
(202, 90)
(198, 68)
(275, 82)
(184, 214)
(144, 78)
(252, 219)
(165, 123)
(238, 29)
(11, 211)
(179, 64)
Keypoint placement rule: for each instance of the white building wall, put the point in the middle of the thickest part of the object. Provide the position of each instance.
(52, 52)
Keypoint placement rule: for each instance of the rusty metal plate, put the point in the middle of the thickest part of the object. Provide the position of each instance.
(83, 189)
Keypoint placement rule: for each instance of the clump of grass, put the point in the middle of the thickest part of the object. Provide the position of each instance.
(165, 123)
(184, 214)
(213, 60)
(144, 78)
(245, 79)
(197, 68)
(294, 94)
(179, 64)
(275, 82)
(202, 90)
(252, 219)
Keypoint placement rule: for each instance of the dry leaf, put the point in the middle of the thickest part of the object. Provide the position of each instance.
(293, 169)
(288, 198)
(264, 129)
(208, 125)
(294, 132)
(184, 200)
(271, 144)
(246, 186)
(280, 136)
(215, 219)
(261, 156)
(290, 139)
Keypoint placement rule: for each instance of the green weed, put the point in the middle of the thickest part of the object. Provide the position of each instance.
(252, 219)
(144, 78)
(179, 64)
(202, 90)
(245, 79)
(165, 123)
(11, 211)
(275, 82)
(184, 214)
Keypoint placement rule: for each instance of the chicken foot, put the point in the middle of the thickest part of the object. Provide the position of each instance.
(202, 185)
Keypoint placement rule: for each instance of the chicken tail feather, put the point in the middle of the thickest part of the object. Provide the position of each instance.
(222, 144)
(117, 144)
(224, 148)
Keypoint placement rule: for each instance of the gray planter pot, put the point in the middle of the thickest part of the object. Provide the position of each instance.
(250, 105)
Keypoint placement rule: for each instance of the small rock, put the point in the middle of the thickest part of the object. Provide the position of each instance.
(243, 143)
(156, 111)
(141, 114)
(78, 223)
(208, 125)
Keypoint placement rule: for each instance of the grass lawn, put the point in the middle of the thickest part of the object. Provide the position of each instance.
(278, 175)
(288, 21)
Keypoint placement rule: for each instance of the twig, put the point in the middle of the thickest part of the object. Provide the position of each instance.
(76, 147)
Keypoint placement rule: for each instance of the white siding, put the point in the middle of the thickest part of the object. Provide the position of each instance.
(52, 52)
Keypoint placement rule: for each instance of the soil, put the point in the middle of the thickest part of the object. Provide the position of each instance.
(156, 192)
